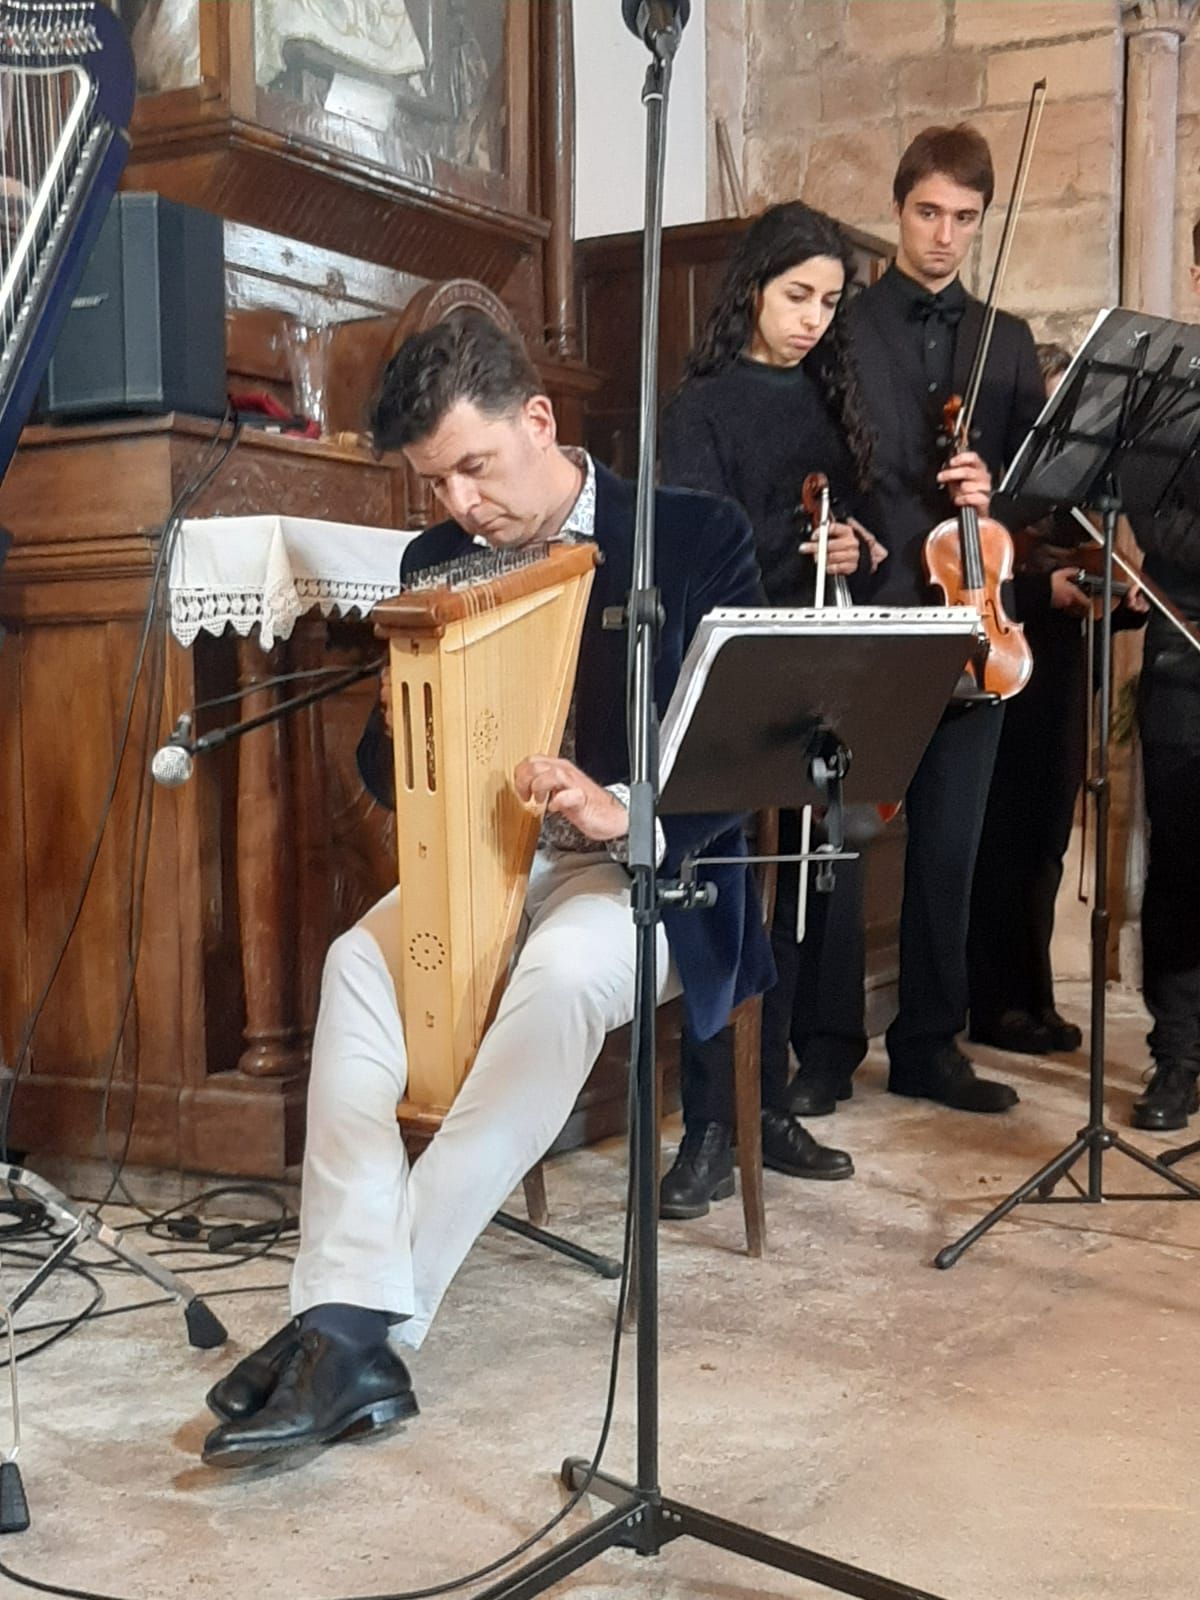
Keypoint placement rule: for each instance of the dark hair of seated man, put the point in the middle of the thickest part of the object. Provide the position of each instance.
(467, 356)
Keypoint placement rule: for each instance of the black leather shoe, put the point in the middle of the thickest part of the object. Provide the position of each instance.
(815, 1091)
(328, 1389)
(241, 1392)
(702, 1171)
(787, 1147)
(1170, 1098)
(950, 1079)
(1016, 1031)
(1066, 1035)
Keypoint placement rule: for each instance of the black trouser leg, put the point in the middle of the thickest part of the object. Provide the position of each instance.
(706, 1078)
(818, 1003)
(1026, 831)
(1171, 903)
(945, 808)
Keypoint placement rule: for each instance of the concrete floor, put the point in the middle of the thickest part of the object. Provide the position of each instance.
(1019, 1428)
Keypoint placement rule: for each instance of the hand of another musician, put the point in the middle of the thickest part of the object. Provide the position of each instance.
(572, 794)
(385, 697)
(968, 480)
(841, 550)
(877, 552)
(1065, 593)
(1135, 600)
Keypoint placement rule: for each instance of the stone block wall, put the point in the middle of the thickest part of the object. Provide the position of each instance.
(1187, 183)
(821, 96)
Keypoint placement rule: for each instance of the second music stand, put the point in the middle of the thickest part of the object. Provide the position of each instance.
(1119, 434)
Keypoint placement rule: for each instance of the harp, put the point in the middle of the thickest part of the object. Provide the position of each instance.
(66, 97)
(483, 659)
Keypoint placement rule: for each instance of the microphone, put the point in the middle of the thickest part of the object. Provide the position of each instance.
(172, 764)
(657, 23)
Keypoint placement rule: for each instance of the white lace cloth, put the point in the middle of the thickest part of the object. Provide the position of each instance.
(264, 572)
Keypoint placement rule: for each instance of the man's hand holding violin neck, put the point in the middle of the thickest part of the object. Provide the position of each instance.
(968, 481)
(1066, 594)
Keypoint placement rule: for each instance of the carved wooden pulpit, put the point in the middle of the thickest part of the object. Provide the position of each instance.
(355, 173)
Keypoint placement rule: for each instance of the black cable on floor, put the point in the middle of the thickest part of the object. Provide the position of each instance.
(479, 1574)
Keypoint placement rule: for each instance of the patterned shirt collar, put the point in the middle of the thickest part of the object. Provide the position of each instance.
(581, 519)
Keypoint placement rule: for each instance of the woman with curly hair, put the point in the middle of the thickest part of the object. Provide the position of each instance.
(769, 395)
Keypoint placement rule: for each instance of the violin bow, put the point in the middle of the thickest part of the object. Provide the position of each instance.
(1160, 601)
(1033, 121)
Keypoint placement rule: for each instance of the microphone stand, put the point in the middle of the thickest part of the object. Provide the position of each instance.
(643, 1519)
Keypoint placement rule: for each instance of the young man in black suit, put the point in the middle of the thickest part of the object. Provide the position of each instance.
(914, 335)
(380, 1242)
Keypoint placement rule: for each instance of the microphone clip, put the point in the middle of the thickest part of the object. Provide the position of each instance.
(659, 24)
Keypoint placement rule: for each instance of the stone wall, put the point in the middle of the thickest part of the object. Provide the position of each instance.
(821, 96)
(1187, 156)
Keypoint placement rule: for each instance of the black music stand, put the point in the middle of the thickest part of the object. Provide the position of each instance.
(762, 716)
(1120, 433)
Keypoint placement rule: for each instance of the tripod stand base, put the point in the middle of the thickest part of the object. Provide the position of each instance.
(646, 1523)
(1180, 1154)
(205, 1330)
(14, 1507)
(602, 1266)
(1092, 1142)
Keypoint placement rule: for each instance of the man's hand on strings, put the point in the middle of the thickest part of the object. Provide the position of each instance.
(842, 549)
(569, 793)
(967, 478)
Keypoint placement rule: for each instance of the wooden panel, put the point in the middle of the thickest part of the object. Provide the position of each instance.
(14, 969)
(268, 181)
(76, 587)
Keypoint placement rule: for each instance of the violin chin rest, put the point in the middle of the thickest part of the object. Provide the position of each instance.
(968, 693)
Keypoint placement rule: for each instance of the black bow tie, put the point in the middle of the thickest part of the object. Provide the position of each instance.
(947, 307)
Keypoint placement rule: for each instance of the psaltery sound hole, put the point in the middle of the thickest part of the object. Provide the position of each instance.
(426, 952)
(485, 737)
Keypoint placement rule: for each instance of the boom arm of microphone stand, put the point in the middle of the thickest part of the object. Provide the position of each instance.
(235, 730)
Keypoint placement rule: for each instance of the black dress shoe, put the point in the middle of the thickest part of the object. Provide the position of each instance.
(241, 1392)
(1170, 1098)
(787, 1147)
(950, 1079)
(815, 1091)
(1016, 1031)
(702, 1171)
(1066, 1035)
(328, 1389)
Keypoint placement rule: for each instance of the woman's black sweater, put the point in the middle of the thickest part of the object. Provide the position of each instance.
(753, 433)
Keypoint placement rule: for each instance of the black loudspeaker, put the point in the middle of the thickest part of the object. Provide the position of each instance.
(146, 329)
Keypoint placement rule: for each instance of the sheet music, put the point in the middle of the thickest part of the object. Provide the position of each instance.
(731, 622)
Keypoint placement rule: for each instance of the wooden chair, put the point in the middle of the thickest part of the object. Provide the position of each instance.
(746, 1022)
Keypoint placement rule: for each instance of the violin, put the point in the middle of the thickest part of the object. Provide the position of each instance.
(968, 557)
(815, 499)
(1158, 598)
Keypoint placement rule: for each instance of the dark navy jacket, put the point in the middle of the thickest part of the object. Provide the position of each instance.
(704, 558)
